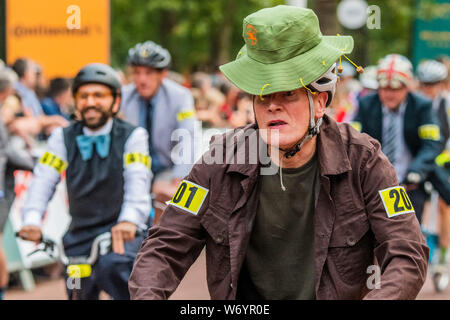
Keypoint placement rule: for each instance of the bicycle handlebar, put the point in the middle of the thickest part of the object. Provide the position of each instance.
(96, 248)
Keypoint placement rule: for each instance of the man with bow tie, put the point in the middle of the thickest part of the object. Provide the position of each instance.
(108, 179)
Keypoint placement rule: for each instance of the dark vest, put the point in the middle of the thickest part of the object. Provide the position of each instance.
(95, 187)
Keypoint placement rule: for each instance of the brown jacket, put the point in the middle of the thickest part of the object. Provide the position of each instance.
(352, 227)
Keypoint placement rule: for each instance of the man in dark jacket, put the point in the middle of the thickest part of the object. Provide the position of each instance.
(404, 124)
(287, 212)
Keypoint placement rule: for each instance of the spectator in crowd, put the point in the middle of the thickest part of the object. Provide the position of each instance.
(238, 106)
(27, 71)
(368, 81)
(34, 119)
(10, 159)
(41, 86)
(6, 90)
(344, 106)
(59, 98)
(207, 100)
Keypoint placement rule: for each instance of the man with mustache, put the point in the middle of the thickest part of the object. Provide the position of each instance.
(108, 177)
(312, 228)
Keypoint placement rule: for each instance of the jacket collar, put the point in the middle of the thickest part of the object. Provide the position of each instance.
(331, 152)
(234, 148)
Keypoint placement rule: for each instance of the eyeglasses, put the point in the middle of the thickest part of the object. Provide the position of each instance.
(96, 96)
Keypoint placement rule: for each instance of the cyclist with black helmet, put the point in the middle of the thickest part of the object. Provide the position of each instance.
(161, 106)
(107, 164)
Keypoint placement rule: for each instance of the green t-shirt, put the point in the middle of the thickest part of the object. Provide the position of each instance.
(279, 261)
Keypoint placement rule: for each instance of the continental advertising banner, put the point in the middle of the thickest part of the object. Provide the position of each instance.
(60, 35)
(432, 30)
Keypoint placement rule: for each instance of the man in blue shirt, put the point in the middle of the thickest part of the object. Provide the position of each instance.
(59, 98)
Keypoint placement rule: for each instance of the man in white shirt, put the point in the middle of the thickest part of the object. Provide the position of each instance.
(108, 178)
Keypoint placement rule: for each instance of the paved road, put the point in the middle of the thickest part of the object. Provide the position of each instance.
(193, 287)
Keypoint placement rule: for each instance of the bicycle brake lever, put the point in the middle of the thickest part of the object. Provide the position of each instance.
(48, 246)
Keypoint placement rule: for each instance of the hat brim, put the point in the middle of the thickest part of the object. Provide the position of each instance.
(259, 78)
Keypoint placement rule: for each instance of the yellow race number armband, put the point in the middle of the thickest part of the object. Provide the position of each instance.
(396, 201)
(443, 158)
(429, 132)
(356, 125)
(183, 115)
(53, 161)
(189, 197)
(136, 157)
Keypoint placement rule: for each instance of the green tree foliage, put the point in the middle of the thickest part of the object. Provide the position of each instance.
(396, 32)
(200, 34)
(394, 36)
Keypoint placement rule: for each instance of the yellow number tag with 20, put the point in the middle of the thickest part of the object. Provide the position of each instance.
(189, 197)
(396, 201)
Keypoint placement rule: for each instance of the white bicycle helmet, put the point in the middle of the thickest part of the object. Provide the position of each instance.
(325, 83)
(431, 71)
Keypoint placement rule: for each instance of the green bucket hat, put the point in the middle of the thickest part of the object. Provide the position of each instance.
(284, 50)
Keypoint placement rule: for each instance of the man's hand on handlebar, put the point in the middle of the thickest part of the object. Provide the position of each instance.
(122, 232)
(31, 233)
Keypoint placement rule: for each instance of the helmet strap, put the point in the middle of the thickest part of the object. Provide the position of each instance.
(313, 130)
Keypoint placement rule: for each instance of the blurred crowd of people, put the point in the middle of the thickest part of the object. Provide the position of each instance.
(353, 86)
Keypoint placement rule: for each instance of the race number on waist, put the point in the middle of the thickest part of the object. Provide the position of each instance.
(51, 160)
(396, 201)
(189, 197)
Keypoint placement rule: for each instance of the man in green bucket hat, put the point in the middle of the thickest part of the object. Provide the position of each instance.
(312, 227)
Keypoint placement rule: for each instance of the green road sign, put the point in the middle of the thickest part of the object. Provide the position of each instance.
(431, 30)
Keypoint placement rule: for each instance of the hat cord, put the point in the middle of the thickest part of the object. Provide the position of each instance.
(281, 175)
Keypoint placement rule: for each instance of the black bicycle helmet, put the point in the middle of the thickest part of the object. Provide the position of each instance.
(97, 73)
(149, 54)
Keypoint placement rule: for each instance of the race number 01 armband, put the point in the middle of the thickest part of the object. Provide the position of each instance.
(53, 161)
